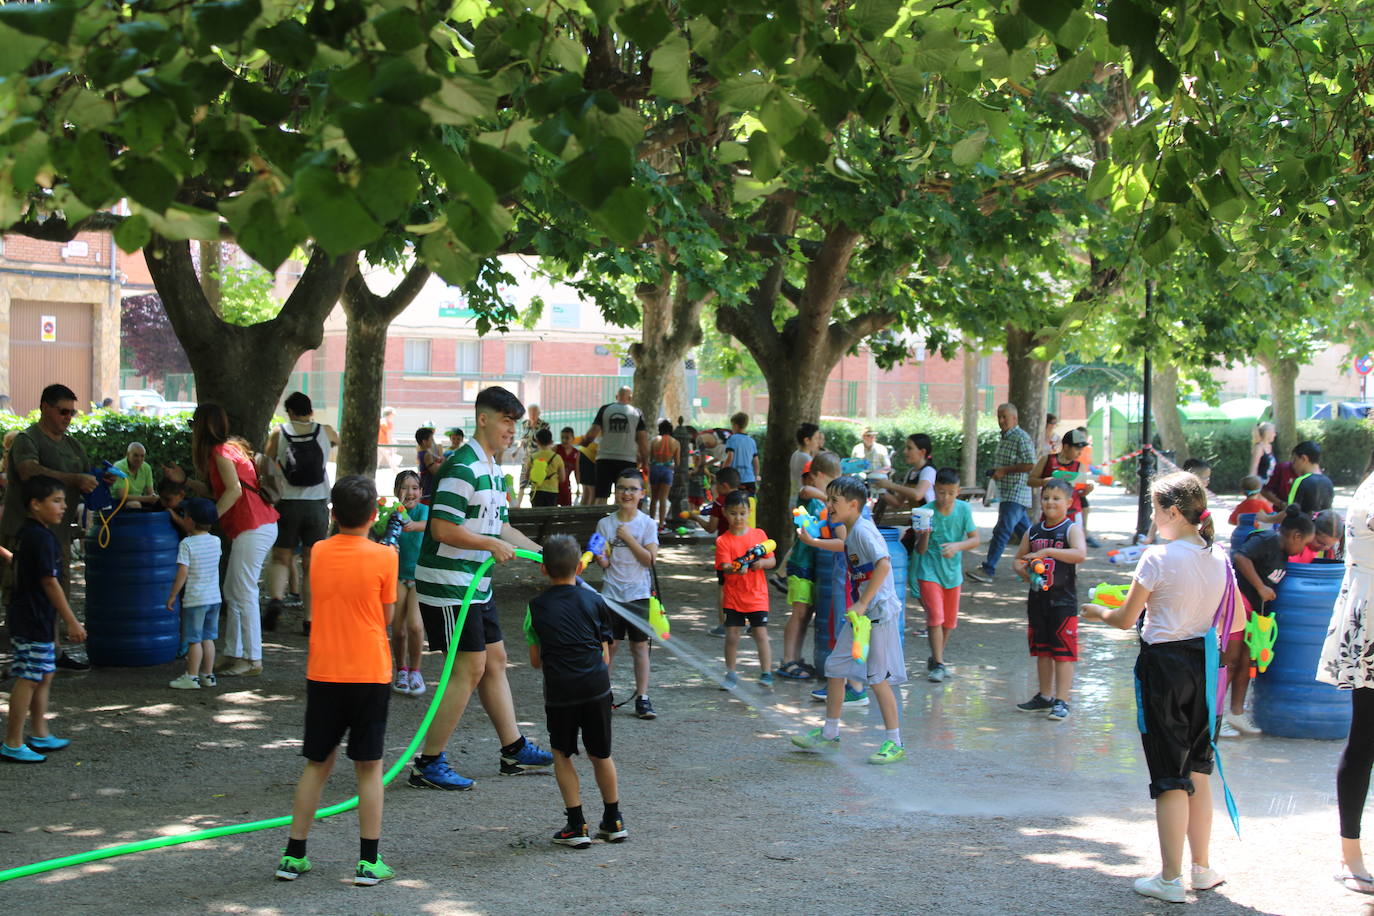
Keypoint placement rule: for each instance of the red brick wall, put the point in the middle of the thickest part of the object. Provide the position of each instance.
(34, 251)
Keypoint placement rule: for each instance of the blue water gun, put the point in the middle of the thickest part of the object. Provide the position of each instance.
(807, 522)
(854, 466)
(596, 547)
(101, 497)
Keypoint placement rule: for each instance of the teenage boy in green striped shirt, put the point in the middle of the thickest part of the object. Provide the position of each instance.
(469, 522)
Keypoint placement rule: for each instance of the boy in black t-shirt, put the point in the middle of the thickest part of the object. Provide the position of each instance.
(569, 632)
(1311, 490)
(36, 601)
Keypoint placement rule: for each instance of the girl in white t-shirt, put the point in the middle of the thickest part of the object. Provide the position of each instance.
(1179, 586)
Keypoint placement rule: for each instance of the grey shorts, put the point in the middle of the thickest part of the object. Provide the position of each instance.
(302, 523)
(885, 660)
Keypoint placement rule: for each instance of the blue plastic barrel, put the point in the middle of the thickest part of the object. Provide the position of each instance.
(830, 603)
(1244, 528)
(127, 583)
(1289, 703)
(896, 552)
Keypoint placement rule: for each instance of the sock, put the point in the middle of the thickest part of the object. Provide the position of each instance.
(612, 813)
(514, 747)
(894, 735)
(425, 760)
(295, 848)
(644, 696)
(831, 729)
(575, 818)
(367, 849)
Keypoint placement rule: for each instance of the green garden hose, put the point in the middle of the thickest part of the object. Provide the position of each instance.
(109, 852)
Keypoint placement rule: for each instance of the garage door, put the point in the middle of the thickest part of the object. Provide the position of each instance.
(49, 342)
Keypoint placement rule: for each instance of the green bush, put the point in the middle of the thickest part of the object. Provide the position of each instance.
(946, 435)
(106, 435)
(1345, 444)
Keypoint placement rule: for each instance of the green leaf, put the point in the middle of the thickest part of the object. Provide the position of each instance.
(839, 57)
(145, 34)
(1132, 26)
(400, 29)
(500, 169)
(224, 22)
(52, 20)
(874, 17)
(745, 93)
(603, 9)
(332, 212)
(287, 43)
(1013, 30)
(1165, 73)
(445, 254)
(830, 101)
(388, 191)
(398, 81)
(669, 63)
(462, 100)
(1049, 14)
(1161, 239)
(17, 49)
(807, 146)
(380, 132)
(772, 42)
(133, 233)
(1071, 74)
(646, 24)
(625, 215)
(332, 20)
(148, 182)
(590, 178)
(970, 149)
(182, 222)
(260, 104)
(1223, 201)
(765, 159)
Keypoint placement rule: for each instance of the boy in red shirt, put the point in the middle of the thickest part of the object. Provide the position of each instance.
(348, 675)
(1253, 502)
(744, 592)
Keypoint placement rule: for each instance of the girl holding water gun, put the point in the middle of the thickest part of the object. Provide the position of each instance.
(1182, 588)
(407, 629)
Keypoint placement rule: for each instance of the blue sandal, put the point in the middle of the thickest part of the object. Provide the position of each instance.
(794, 670)
(1351, 882)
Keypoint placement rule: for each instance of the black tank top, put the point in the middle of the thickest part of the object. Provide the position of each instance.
(1062, 577)
(1265, 468)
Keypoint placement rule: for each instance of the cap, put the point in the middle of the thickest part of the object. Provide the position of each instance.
(1076, 438)
(202, 511)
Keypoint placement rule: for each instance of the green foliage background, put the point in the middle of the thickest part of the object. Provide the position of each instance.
(106, 435)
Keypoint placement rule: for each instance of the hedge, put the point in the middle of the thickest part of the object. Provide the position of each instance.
(106, 435)
(1346, 449)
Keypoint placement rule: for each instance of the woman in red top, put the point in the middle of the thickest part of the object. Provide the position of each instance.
(249, 523)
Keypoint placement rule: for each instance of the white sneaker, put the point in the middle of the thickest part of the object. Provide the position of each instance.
(185, 682)
(402, 682)
(1228, 730)
(1242, 723)
(1204, 878)
(417, 683)
(1158, 888)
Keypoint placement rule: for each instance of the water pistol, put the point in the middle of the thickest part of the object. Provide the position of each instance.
(596, 547)
(757, 552)
(850, 466)
(807, 522)
(1125, 554)
(704, 511)
(1261, 632)
(1077, 479)
(100, 497)
(1038, 580)
(391, 519)
(1109, 595)
(682, 531)
(863, 632)
(658, 620)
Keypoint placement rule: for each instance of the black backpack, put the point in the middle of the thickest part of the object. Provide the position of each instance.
(303, 463)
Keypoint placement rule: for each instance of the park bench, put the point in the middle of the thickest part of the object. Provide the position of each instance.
(577, 521)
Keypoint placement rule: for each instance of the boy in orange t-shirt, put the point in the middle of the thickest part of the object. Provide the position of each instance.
(348, 675)
(744, 591)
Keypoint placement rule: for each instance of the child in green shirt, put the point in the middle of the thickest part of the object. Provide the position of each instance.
(939, 569)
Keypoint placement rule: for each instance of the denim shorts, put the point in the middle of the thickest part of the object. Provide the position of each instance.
(33, 660)
(200, 622)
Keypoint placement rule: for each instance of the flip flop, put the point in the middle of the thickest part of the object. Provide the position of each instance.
(1351, 882)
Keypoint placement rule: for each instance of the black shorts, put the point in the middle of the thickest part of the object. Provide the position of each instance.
(622, 628)
(607, 471)
(481, 628)
(1175, 722)
(302, 522)
(541, 498)
(586, 471)
(1053, 630)
(333, 709)
(752, 619)
(592, 719)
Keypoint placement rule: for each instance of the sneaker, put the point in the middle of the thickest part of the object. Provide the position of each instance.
(854, 698)
(1037, 703)
(1059, 711)
(209, 680)
(72, 663)
(1204, 878)
(815, 740)
(370, 873)
(818, 695)
(716, 631)
(1158, 888)
(185, 682)
(20, 754)
(531, 755)
(417, 683)
(1243, 723)
(1227, 730)
(612, 831)
(1092, 541)
(766, 679)
(271, 614)
(574, 836)
(730, 681)
(644, 709)
(937, 674)
(401, 683)
(980, 575)
(890, 752)
(931, 663)
(438, 775)
(290, 868)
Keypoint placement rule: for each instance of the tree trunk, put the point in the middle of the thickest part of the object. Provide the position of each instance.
(1168, 420)
(969, 452)
(1028, 381)
(211, 281)
(732, 392)
(671, 327)
(369, 318)
(1283, 383)
(675, 406)
(244, 369)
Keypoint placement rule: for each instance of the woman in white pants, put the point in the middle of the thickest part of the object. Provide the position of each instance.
(248, 521)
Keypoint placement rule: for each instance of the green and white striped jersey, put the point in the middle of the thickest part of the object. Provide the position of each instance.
(470, 490)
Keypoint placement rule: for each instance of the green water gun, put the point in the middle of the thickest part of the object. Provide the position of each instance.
(391, 520)
(1261, 632)
(863, 632)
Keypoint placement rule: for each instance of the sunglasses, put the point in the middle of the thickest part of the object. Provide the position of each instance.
(64, 411)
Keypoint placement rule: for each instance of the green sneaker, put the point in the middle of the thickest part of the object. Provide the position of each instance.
(815, 740)
(290, 868)
(890, 752)
(370, 873)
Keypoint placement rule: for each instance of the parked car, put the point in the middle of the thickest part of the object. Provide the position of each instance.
(140, 401)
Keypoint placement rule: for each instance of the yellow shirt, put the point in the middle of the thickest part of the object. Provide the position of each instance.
(553, 467)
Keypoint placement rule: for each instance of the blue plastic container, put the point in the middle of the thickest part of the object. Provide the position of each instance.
(127, 584)
(1245, 527)
(896, 552)
(1289, 702)
(830, 603)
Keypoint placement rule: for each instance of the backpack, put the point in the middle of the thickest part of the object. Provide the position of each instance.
(303, 463)
(269, 481)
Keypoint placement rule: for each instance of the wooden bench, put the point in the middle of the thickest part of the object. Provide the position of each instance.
(577, 521)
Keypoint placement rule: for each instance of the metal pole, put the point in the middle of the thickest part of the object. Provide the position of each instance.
(1147, 458)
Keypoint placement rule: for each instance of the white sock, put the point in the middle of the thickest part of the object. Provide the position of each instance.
(831, 729)
(894, 735)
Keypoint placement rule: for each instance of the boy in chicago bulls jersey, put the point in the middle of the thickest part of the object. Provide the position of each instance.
(1049, 552)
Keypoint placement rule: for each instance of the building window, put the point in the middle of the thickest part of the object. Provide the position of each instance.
(468, 360)
(417, 357)
(517, 358)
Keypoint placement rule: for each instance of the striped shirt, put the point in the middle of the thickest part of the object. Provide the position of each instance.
(470, 490)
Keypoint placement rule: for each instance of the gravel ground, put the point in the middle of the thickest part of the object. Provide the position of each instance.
(993, 811)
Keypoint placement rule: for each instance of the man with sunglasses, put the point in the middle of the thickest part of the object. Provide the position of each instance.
(45, 448)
